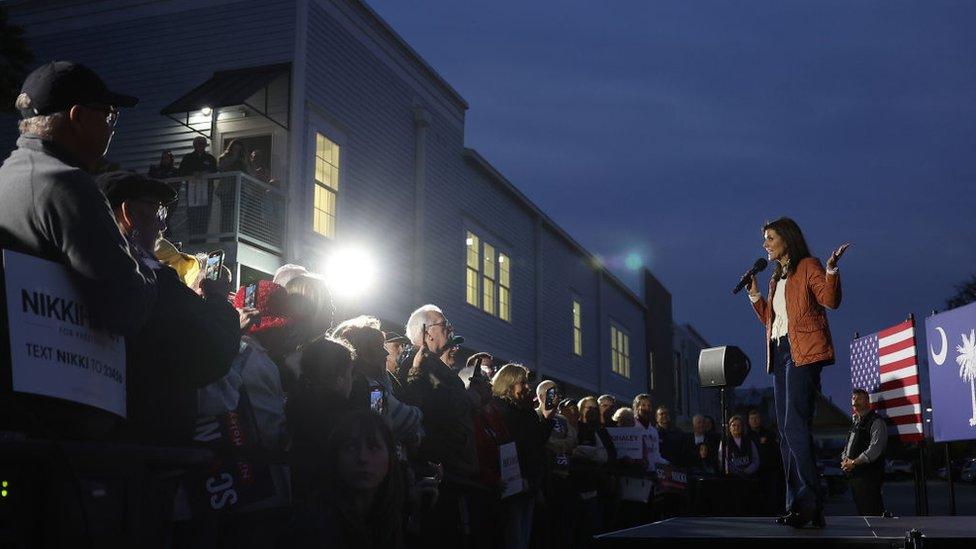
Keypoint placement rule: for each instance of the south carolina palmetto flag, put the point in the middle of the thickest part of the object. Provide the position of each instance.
(885, 365)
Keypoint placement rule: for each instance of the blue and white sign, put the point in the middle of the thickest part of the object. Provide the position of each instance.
(951, 340)
(54, 351)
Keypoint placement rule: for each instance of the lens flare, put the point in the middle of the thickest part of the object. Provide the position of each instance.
(634, 261)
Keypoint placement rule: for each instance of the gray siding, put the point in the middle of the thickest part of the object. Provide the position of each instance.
(566, 275)
(370, 109)
(158, 58)
(621, 310)
(476, 203)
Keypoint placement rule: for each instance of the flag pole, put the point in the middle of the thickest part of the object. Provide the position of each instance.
(921, 487)
(952, 486)
(948, 466)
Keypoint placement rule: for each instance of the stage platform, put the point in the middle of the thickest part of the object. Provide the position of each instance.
(715, 532)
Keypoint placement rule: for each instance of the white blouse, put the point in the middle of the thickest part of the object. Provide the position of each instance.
(780, 321)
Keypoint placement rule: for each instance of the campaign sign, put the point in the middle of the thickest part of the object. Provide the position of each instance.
(234, 480)
(510, 472)
(54, 351)
(951, 338)
(634, 489)
(628, 441)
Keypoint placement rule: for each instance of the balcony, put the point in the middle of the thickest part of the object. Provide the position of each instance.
(231, 211)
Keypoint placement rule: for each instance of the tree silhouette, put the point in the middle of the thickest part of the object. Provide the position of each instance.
(15, 61)
(965, 293)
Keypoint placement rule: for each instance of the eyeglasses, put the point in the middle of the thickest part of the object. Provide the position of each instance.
(447, 325)
(111, 114)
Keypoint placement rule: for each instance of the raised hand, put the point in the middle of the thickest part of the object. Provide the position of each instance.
(835, 257)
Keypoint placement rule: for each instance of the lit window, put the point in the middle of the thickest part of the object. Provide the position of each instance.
(577, 329)
(326, 186)
(472, 277)
(488, 279)
(619, 351)
(504, 287)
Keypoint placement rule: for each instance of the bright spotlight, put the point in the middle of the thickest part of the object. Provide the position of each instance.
(350, 272)
(206, 111)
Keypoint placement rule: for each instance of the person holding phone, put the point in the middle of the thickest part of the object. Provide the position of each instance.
(448, 420)
(558, 489)
(188, 342)
(372, 384)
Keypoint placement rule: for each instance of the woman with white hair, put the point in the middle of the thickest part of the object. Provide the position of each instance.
(513, 398)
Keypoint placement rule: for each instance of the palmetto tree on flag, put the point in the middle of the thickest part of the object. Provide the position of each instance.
(967, 366)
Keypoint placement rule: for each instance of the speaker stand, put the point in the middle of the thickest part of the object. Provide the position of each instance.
(725, 432)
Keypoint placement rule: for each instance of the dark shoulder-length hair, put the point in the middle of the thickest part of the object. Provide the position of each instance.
(382, 525)
(796, 245)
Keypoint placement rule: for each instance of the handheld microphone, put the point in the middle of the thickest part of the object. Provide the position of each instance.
(758, 267)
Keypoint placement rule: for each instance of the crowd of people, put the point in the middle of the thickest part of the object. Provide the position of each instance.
(235, 158)
(327, 431)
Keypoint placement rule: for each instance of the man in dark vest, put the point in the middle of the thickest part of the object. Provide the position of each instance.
(862, 458)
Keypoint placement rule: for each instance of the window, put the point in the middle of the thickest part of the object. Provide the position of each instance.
(472, 277)
(504, 285)
(619, 351)
(488, 278)
(577, 328)
(488, 281)
(326, 186)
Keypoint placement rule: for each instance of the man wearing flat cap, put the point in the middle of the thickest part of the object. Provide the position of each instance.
(395, 344)
(50, 206)
(188, 341)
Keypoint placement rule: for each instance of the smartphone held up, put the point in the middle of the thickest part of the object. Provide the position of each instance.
(215, 263)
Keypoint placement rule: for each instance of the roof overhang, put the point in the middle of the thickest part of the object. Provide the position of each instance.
(247, 90)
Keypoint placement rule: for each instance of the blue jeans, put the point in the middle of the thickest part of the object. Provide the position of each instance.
(795, 390)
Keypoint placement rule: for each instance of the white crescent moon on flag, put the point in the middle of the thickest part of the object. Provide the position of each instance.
(940, 357)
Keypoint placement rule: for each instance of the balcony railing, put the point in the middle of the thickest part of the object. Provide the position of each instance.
(227, 206)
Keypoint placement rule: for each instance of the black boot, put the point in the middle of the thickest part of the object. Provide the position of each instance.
(799, 519)
(782, 518)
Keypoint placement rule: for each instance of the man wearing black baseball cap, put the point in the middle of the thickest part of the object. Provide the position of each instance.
(50, 206)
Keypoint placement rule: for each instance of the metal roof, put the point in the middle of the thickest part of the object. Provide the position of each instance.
(226, 88)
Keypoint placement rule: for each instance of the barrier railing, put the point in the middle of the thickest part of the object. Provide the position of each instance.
(227, 206)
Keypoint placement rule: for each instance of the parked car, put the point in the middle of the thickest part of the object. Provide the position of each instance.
(969, 471)
(898, 468)
(832, 478)
(956, 465)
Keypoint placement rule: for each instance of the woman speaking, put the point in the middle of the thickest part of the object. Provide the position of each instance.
(798, 344)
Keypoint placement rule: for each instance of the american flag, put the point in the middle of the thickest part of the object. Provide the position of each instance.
(884, 364)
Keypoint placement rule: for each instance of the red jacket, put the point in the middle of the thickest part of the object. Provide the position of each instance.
(808, 290)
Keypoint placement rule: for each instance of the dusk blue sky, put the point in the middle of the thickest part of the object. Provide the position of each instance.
(675, 129)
